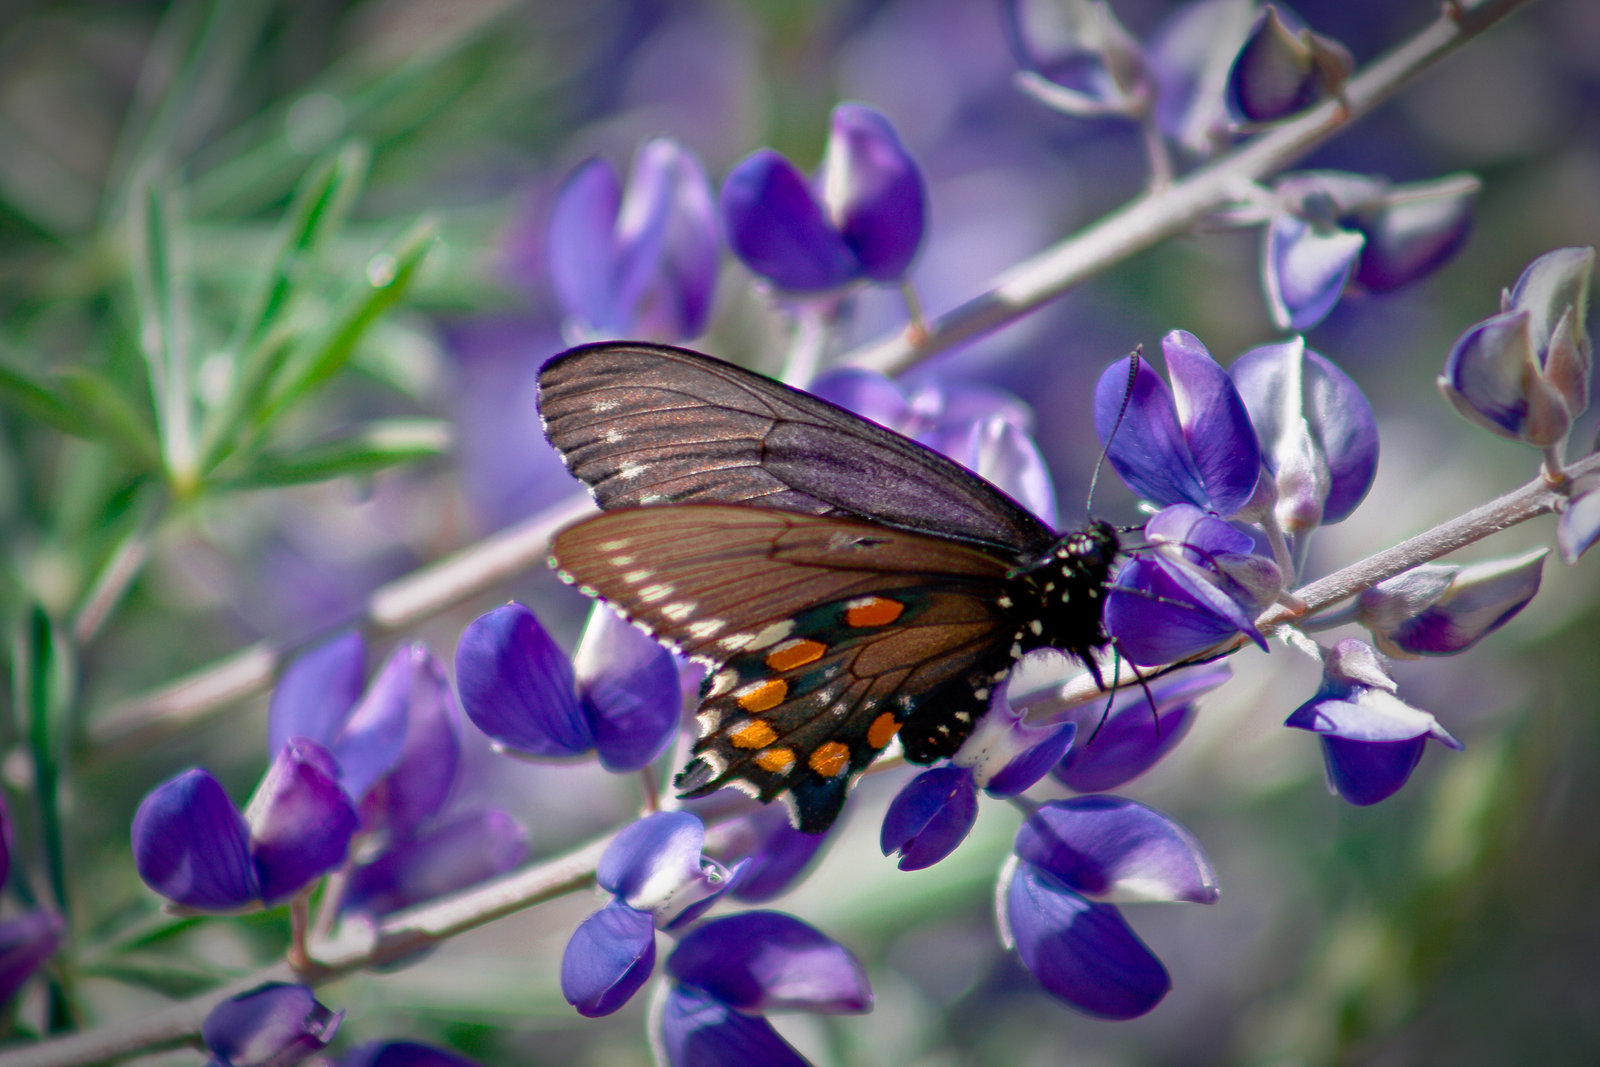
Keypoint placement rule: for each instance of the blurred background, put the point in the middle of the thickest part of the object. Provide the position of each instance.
(1452, 923)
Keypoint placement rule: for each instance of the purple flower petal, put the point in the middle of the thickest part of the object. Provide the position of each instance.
(582, 244)
(1473, 602)
(629, 691)
(694, 1029)
(675, 303)
(1190, 53)
(461, 851)
(656, 865)
(1274, 75)
(1216, 425)
(777, 228)
(402, 1054)
(1109, 848)
(1081, 952)
(317, 691)
(1160, 611)
(1364, 773)
(1418, 229)
(761, 961)
(1306, 266)
(275, 1025)
(1006, 754)
(1147, 447)
(1131, 740)
(929, 817)
(610, 955)
(26, 942)
(416, 789)
(873, 192)
(1289, 391)
(1487, 372)
(770, 854)
(517, 687)
(301, 820)
(1579, 527)
(192, 846)
(370, 740)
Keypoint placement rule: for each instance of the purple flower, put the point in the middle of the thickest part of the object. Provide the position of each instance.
(769, 854)
(1078, 59)
(988, 431)
(641, 263)
(624, 700)
(26, 943)
(1004, 756)
(402, 1054)
(1579, 527)
(1199, 585)
(1283, 68)
(1118, 744)
(1319, 437)
(729, 970)
(862, 218)
(1524, 373)
(1191, 54)
(1439, 609)
(1371, 739)
(193, 846)
(1072, 859)
(458, 851)
(1329, 229)
(661, 880)
(275, 1025)
(1191, 443)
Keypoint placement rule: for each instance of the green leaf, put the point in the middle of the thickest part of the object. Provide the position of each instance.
(163, 973)
(114, 417)
(160, 285)
(380, 444)
(389, 274)
(43, 673)
(37, 400)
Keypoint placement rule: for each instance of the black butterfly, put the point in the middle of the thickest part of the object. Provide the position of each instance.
(845, 583)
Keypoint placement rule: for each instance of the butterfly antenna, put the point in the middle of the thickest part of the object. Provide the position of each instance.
(1117, 662)
(1127, 397)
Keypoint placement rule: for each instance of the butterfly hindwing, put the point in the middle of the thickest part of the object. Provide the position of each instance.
(826, 636)
(652, 424)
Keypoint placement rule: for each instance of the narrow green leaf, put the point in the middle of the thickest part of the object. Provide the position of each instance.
(43, 674)
(37, 400)
(160, 285)
(115, 418)
(389, 274)
(165, 973)
(378, 445)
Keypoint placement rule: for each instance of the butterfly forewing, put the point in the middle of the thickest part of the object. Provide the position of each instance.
(652, 424)
(825, 636)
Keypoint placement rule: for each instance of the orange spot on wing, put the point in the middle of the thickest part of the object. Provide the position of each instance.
(830, 758)
(796, 653)
(753, 734)
(882, 730)
(872, 611)
(765, 696)
(776, 760)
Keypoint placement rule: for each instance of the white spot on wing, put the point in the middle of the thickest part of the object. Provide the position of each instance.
(679, 611)
(635, 577)
(771, 635)
(652, 593)
(706, 629)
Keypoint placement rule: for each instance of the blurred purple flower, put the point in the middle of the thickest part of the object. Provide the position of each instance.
(768, 852)
(1329, 229)
(660, 879)
(275, 1025)
(1283, 67)
(396, 743)
(623, 702)
(1191, 443)
(862, 218)
(1371, 739)
(729, 970)
(1439, 609)
(1319, 437)
(26, 943)
(636, 264)
(988, 431)
(1120, 743)
(402, 1054)
(1072, 859)
(458, 851)
(1191, 55)
(1077, 58)
(1524, 373)
(192, 845)
(1197, 586)
(1579, 526)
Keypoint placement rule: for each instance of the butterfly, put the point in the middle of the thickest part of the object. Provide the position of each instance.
(844, 584)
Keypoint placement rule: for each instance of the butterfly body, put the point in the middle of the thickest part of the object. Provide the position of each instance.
(844, 584)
